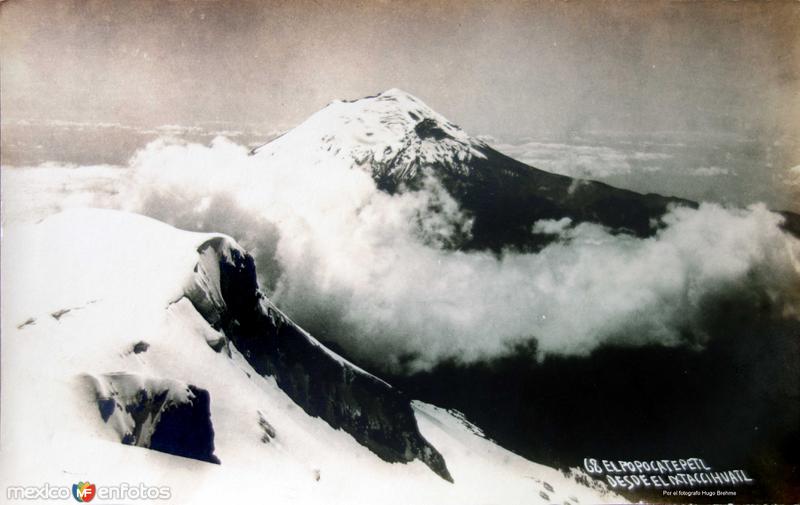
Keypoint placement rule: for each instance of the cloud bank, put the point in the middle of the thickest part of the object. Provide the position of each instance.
(370, 271)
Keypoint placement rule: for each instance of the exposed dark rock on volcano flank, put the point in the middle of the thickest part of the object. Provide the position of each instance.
(181, 427)
(323, 384)
(506, 197)
(160, 414)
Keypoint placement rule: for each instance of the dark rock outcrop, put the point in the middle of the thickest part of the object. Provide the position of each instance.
(160, 414)
(323, 384)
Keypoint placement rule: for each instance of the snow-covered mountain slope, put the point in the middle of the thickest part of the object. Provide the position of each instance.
(120, 336)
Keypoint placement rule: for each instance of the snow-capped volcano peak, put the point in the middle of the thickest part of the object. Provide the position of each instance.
(392, 134)
(401, 112)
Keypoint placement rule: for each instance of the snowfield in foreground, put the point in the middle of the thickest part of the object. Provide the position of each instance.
(101, 345)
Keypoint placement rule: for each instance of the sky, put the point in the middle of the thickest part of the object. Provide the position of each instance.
(709, 71)
(498, 68)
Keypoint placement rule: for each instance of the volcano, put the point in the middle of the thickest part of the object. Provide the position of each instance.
(398, 139)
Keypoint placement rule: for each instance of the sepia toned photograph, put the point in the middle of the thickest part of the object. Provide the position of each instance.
(402, 252)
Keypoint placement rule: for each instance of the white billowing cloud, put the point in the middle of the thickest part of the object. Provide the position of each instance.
(551, 226)
(368, 270)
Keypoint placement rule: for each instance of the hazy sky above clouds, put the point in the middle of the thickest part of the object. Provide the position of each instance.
(497, 68)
